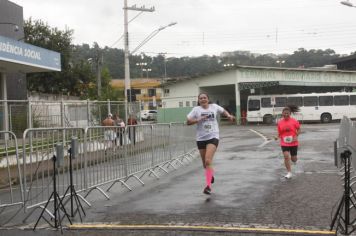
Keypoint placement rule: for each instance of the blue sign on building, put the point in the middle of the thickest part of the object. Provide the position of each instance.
(27, 54)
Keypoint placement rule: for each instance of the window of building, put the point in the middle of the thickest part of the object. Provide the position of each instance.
(151, 92)
(194, 103)
(136, 91)
(180, 104)
(187, 103)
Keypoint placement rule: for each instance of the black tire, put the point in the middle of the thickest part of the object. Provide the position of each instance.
(325, 118)
(268, 119)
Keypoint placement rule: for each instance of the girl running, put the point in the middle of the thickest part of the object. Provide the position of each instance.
(205, 116)
(288, 131)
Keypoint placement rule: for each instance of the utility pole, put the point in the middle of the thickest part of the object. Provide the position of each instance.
(126, 49)
(99, 63)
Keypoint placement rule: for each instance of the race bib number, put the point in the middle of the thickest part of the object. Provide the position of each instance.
(208, 127)
(288, 139)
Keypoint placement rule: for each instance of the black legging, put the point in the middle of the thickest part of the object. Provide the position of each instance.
(120, 135)
(132, 134)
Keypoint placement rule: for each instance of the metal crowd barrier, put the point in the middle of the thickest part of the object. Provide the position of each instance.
(345, 159)
(106, 156)
(11, 188)
(38, 152)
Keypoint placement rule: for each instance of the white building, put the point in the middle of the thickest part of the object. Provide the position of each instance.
(231, 88)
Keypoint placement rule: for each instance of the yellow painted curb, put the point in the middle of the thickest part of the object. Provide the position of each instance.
(197, 228)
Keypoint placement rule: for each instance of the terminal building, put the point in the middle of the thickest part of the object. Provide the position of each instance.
(231, 88)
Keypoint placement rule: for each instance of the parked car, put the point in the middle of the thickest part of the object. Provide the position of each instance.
(148, 114)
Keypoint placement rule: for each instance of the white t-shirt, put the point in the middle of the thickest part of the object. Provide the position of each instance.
(206, 129)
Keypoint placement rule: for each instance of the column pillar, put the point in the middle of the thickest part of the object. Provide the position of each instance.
(238, 103)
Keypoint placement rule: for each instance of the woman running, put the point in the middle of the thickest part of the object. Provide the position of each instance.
(288, 131)
(205, 116)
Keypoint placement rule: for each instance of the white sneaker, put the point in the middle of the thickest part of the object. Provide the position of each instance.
(288, 175)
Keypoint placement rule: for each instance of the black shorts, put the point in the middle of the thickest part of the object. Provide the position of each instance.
(293, 150)
(203, 144)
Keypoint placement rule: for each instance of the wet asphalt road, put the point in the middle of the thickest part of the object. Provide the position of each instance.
(249, 189)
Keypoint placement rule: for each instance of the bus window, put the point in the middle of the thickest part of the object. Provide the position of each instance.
(310, 101)
(341, 100)
(281, 101)
(352, 99)
(298, 101)
(266, 102)
(254, 105)
(326, 101)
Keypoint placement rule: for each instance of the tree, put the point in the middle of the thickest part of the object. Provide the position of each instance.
(73, 75)
(311, 58)
(107, 91)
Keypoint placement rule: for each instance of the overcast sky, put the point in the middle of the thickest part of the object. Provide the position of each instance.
(206, 26)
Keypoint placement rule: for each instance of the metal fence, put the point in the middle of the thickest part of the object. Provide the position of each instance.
(106, 156)
(11, 188)
(344, 216)
(24, 114)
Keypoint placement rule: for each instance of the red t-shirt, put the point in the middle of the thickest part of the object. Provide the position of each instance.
(287, 130)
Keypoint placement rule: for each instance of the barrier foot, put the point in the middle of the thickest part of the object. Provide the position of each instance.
(100, 190)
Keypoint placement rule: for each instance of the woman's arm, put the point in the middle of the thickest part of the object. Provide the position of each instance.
(229, 116)
(192, 121)
(297, 132)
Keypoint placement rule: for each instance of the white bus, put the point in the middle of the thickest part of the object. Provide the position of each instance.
(323, 107)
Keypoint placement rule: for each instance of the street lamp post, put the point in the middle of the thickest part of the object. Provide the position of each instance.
(97, 62)
(151, 35)
(347, 3)
(229, 65)
(141, 64)
(147, 70)
(280, 62)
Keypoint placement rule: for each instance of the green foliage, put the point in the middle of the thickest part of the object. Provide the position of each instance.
(109, 92)
(75, 77)
(40, 34)
(311, 58)
(19, 123)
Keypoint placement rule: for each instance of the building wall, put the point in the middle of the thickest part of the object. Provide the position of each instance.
(143, 85)
(193, 87)
(13, 13)
(173, 114)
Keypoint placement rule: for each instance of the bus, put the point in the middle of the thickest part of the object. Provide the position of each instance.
(323, 107)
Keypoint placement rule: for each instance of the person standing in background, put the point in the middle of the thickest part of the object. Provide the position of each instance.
(132, 122)
(109, 134)
(121, 128)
